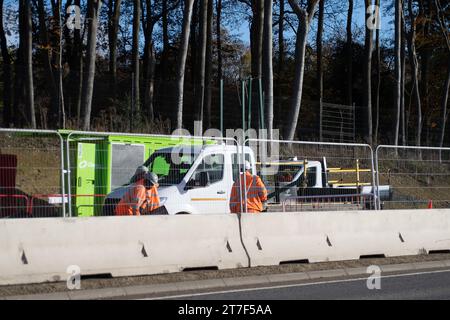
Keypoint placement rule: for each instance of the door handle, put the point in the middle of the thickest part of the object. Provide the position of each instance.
(221, 192)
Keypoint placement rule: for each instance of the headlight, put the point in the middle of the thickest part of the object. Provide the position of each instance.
(162, 200)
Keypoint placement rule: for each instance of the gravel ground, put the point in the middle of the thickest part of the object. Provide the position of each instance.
(96, 283)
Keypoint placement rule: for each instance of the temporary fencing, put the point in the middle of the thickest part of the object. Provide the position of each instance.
(419, 177)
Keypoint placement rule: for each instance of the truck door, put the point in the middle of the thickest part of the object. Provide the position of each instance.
(85, 179)
(212, 196)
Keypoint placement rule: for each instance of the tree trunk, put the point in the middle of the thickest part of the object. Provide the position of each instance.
(398, 67)
(404, 123)
(256, 37)
(46, 58)
(378, 84)
(113, 29)
(219, 39)
(88, 79)
(26, 42)
(135, 60)
(209, 63)
(201, 64)
(319, 75)
(349, 46)
(7, 74)
(62, 109)
(444, 103)
(415, 72)
(149, 62)
(367, 82)
(305, 17)
(165, 36)
(182, 54)
(268, 68)
(281, 54)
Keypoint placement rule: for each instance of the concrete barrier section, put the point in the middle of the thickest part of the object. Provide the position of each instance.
(40, 250)
(275, 238)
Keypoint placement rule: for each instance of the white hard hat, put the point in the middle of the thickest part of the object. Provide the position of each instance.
(248, 166)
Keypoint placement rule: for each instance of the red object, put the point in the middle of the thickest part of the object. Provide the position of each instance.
(430, 204)
(8, 170)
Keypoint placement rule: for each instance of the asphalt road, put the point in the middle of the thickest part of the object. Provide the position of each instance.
(418, 285)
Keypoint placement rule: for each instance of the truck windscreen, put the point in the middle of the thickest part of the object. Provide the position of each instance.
(170, 169)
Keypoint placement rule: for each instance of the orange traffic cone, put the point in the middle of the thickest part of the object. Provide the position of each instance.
(430, 204)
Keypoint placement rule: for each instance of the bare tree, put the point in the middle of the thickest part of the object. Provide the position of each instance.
(113, 30)
(7, 74)
(182, 55)
(349, 46)
(256, 37)
(135, 59)
(268, 68)
(444, 102)
(24, 64)
(219, 38)
(281, 51)
(305, 17)
(47, 61)
(378, 79)
(367, 81)
(319, 74)
(398, 67)
(88, 80)
(415, 71)
(209, 62)
(200, 84)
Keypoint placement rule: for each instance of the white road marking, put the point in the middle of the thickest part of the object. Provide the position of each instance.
(292, 285)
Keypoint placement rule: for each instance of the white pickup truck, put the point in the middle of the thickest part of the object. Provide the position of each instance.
(291, 181)
(192, 179)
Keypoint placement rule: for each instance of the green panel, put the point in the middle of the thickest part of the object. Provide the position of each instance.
(85, 179)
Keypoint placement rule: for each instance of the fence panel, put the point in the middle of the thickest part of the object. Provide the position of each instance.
(31, 174)
(419, 177)
(315, 176)
(194, 175)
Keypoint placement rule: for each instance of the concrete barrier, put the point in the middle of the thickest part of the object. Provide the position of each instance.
(275, 238)
(40, 250)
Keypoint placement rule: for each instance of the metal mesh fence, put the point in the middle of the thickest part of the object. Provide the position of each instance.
(419, 177)
(84, 174)
(31, 181)
(315, 176)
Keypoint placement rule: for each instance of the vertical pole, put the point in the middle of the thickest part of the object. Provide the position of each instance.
(261, 104)
(63, 187)
(320, 119)
(243, 186)
(357, 173)
(132, 102)
(221, 107)
(249, 103)
(243, 105)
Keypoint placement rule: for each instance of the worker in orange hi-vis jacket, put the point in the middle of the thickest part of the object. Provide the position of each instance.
(141, 198)
(256, 193)
(152, 201)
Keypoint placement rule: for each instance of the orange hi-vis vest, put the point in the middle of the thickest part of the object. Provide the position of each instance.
(256, 194)
(138, 199)
(132, 201)
(151, 200)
